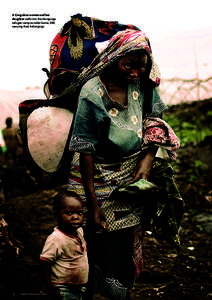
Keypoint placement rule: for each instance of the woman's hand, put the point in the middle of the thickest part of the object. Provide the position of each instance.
(143, 168)
(96, 220)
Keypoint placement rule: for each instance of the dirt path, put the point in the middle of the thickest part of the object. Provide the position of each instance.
(166, 275)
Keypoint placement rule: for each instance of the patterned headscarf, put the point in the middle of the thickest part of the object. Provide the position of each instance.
(118, 46)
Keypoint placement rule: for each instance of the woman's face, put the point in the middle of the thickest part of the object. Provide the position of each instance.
(131, 67)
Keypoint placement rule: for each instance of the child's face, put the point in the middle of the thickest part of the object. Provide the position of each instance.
(70, 217)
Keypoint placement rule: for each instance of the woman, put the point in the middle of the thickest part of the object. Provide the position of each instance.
(116, 135)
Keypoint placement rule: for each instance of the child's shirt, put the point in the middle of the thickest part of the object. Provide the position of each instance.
(68, 255)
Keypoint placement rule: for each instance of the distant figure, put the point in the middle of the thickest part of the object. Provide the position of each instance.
(64, 260)
(12, 140)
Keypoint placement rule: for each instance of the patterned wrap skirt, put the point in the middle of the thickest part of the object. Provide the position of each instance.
(116, 256)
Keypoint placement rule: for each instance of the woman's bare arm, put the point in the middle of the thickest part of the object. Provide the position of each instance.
(95, 216)
(143, 168)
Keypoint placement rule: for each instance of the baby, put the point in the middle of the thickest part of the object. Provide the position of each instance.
(64, 260)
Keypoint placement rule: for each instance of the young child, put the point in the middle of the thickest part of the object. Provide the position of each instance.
(64, 260)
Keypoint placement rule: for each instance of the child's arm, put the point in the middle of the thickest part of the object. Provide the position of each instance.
(46, 270)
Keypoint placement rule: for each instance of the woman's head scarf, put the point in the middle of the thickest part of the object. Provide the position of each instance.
(118, 46)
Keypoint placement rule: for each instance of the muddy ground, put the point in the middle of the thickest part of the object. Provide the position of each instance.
(166, 275)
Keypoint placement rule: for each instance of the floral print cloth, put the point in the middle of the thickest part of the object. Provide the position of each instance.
(157, 132)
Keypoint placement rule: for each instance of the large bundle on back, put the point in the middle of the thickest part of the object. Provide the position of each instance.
(75, 46)
(46, 124)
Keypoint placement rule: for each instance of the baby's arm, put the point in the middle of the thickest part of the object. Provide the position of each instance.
(46, 270)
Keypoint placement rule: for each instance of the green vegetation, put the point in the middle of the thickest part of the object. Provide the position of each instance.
(191, 122)
(197, 169)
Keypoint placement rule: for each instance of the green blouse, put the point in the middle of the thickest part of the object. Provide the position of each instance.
(105, 127)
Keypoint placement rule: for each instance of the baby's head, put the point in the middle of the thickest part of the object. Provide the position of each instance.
(68, 211)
